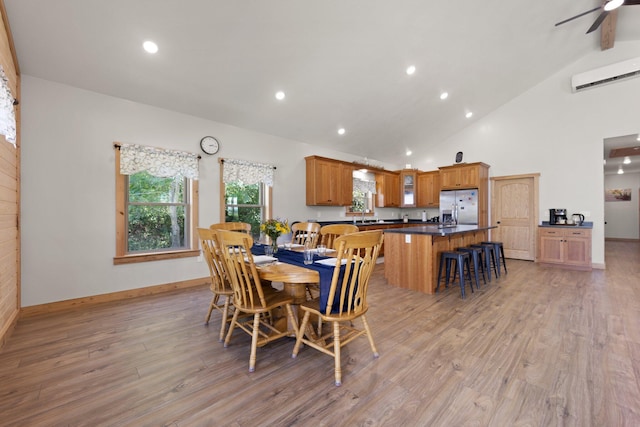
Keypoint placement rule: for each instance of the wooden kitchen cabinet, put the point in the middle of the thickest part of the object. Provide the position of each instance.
(329, 182)
(346, 185)
(566, 246)
(428, 189)
(468, 175)
(387, 189)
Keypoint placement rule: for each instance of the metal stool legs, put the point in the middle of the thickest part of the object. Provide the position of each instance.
(462, 261)
(489, 259)
(498, 249)
(478, 267)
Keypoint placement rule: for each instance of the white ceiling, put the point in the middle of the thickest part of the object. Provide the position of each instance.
(341, 63)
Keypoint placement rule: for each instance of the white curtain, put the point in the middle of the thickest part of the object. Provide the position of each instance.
(7, 110)
(364, 186)
(157, 161)
(247, 172)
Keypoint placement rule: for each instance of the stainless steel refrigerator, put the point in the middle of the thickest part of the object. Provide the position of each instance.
(459, 206)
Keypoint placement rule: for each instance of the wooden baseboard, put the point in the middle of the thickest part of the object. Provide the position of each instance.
(114, 296)
(8, 328)
(618, 239)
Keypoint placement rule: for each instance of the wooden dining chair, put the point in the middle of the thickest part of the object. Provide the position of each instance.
(347, 301)
(220, 284)
(305, 233)
(329, 233)
(249, 297)
(232, 226)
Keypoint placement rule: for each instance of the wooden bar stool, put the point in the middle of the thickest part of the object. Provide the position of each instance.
(498, 249)
(489, 258)
(478, 267)
(462, 261)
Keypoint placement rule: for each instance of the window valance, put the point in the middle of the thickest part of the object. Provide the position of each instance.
(7, 110)
(157, 161)
(364, 187)
(247, 172)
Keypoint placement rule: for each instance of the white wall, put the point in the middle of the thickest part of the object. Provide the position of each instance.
(68, 180)
(622, 218)
(68, 196)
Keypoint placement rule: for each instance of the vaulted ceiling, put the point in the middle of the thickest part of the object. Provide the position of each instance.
(341, 64)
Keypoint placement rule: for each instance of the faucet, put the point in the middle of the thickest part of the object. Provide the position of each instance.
(363, 212)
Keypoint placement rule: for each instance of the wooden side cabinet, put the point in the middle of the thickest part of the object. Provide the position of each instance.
(566, 246)
(329, 182)
(428, 189)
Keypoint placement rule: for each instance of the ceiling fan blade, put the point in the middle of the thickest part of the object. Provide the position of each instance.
(597, 22)
(581, 14)
(631, 2)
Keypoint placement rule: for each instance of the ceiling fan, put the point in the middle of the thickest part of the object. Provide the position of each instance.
(605, 9)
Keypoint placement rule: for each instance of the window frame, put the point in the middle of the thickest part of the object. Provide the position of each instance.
(122, 257)
(267, 197)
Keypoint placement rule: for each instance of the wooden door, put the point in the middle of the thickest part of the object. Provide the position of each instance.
(514, 209)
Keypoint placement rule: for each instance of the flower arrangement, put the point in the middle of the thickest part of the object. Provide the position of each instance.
(274, 228)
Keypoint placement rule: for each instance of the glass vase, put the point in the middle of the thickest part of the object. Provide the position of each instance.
(274, 243)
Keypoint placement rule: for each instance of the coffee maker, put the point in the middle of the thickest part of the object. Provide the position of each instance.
(557, 216)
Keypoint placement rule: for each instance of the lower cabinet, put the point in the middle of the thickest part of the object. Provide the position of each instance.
(567, 246)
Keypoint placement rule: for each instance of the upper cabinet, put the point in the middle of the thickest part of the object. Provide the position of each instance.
(428, 189)
(408, 188)
(468, 175)
(329, 182)
(387, 189)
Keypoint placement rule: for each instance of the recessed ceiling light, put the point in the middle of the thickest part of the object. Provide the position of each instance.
(280, 95)
(620, 171)
(409, 152)
(468, 115)
(150, 46)
(444, 95)
(627, 160)
(411, 69)
(341, 131)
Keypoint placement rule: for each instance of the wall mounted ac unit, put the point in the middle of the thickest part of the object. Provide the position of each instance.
(608, 74)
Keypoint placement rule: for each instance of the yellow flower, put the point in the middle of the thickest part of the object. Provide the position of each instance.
(274, 227)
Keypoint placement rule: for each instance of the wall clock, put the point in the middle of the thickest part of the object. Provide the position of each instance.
(209, 145)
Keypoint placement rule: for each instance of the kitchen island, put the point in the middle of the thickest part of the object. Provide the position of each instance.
(412, 254)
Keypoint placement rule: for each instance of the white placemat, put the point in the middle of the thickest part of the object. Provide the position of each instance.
(262, 259)
(330, 262)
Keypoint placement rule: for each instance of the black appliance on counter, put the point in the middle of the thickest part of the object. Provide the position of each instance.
(557, 216)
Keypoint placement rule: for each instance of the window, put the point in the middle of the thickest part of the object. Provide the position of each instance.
(245, 189)
(246, 203)
(364, 187)
(155, 216)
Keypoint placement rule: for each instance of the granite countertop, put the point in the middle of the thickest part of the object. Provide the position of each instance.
(379, 222)
(435, 230)
(585, 224)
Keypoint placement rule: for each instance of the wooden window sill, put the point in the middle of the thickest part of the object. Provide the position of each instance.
(156, 256)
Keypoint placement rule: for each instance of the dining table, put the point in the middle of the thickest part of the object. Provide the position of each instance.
(295, 275)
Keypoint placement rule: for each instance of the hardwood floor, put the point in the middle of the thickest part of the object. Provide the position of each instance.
(541, 346)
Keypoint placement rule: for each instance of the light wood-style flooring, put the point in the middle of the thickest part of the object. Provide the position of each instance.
(542, 346)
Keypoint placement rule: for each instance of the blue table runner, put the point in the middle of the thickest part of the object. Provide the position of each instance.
(325, 271)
